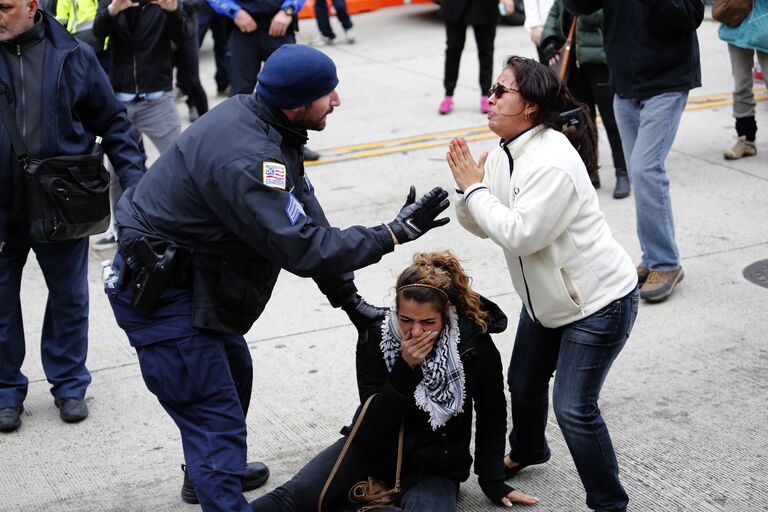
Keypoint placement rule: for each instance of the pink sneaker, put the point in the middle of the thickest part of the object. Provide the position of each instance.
(484, 104)
(446, 106)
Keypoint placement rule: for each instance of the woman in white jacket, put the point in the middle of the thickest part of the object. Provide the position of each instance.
(532, 196)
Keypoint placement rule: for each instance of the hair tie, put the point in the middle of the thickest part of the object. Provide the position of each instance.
(569, 116)
(422, 285)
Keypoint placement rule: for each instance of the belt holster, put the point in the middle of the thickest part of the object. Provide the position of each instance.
(152, 272)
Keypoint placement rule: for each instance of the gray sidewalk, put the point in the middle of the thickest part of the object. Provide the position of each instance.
(685, 402)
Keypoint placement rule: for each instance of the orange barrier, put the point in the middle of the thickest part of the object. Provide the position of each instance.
(357, 6)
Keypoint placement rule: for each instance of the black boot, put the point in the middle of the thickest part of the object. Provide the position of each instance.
(256, 475)
(310, 155)
(622, 184)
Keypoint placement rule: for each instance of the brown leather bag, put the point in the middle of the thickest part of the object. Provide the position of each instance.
(731, 12)
(372, 493)
(563, 66)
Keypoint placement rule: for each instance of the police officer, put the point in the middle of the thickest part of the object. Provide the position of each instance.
(203, 239)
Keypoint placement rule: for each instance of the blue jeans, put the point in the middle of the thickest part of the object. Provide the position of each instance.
(300, 493)
(648, 128)
(580, 354)
(321, 15)
(64, 339)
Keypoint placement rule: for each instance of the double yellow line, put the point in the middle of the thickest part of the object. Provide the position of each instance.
(431, 140)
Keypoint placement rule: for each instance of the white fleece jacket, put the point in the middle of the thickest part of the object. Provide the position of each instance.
(544, 213)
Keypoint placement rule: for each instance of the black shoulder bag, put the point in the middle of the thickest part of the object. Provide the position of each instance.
(67, 196)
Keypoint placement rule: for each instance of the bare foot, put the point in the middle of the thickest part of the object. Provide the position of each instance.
(510, 463)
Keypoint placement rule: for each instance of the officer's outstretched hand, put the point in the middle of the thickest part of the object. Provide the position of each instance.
(362, 314)
(418, 217)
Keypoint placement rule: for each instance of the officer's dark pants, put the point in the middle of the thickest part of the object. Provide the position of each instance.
(64, 339)
(221, 27)
(248, 51)
(203, 380)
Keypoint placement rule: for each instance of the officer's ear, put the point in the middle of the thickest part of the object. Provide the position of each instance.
(295, 113)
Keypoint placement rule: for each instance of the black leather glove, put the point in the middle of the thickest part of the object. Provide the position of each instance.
(362, 314)
(418, 217)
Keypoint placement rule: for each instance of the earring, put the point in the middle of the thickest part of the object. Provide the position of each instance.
(526, 114)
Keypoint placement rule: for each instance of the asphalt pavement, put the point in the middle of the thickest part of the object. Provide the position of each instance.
(685, 401)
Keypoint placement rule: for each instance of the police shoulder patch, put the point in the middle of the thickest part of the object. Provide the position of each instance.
(294, 210)
(273, 174)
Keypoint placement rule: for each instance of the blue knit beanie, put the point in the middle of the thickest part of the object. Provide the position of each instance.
(296, 75)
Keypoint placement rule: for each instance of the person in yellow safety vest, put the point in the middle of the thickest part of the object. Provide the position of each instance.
(77, 16)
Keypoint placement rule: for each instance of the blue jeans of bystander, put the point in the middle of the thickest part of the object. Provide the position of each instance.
(580, 354)
(64, 337)
(648, 128)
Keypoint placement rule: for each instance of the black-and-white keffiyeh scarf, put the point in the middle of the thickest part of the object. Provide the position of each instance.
(441, 392)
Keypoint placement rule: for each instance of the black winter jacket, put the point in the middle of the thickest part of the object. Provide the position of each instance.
(231, 192)
(140, 45)
(77, 104)
(445, 451)
(651, 45)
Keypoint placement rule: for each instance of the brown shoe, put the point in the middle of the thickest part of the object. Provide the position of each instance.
(660, 284)
(742, 148)
(642, 274)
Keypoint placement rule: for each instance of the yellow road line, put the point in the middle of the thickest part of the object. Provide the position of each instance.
(435, 139)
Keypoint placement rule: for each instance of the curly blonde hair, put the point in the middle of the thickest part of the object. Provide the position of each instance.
(437, 277)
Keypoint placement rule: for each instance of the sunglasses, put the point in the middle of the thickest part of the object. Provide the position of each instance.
(498, 90)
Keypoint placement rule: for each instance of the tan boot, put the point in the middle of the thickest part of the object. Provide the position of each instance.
(660, 284)
(742, 148)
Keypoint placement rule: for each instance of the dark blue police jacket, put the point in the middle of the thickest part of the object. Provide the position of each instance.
(77, 105)
(232, 194)
(265, 8)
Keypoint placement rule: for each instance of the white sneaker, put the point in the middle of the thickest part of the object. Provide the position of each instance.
(326, 40)
(350, 36)
(108, 241)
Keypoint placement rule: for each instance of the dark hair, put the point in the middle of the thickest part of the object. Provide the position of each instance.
(540, 85)
(436, 278)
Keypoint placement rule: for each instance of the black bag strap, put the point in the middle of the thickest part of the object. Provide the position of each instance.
(22, 155)
(10, 122)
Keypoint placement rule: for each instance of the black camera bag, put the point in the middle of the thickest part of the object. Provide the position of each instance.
(67, 196)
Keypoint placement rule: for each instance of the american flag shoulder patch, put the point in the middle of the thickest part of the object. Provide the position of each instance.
(273, 175)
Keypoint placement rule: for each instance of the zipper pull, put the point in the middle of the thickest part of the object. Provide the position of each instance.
(18, 50)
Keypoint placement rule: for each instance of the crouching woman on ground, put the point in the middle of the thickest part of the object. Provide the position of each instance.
(427, 364)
